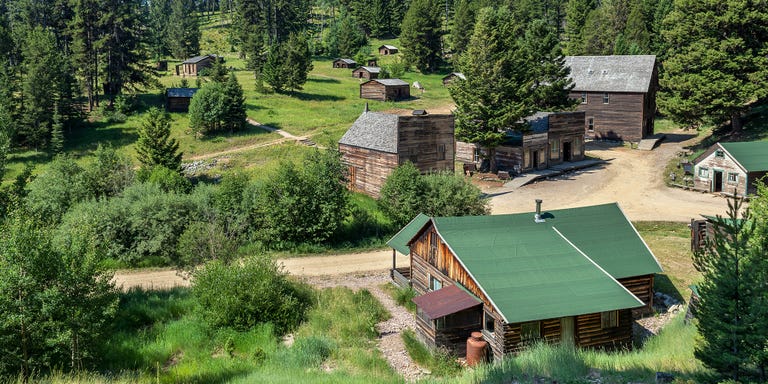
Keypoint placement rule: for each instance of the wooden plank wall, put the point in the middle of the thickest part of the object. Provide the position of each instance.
(642, 288)
(371, 167)
(374, 91)
(621, 119)
(589, 331)
(465, 152)
(422, 137)
(398, 92)
(178, 104)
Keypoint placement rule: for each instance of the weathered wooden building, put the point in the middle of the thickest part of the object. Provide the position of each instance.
(570, 276)
(366, 72)
(387, 50)
(731, 168)
(453, 76)
(385, 90)
(378, 142)
(344, 63)
(193, 65)
(178, 99)
(553, 138)
(617, 93)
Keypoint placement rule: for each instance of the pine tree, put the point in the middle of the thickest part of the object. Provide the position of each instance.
(234, 115)
(57, 133)
(636, 30)
(463, 21)
(42, 60)
(712, 74)
(420, 35)
(183, 29)
(158, 34)
(155, 146)
(577, 12)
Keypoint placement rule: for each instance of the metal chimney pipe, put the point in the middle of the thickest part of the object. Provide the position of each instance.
(537, 217)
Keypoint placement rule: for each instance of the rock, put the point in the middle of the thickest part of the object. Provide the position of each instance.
(593, 373)
(664, 378)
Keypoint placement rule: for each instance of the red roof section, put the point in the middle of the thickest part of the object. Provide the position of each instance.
(445, 301)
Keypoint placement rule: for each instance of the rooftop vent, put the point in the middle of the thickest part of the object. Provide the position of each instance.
(419, 112)
(605, 71)
(537, 217)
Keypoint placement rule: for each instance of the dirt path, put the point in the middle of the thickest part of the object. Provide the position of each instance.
(286, 137)
(633, 178)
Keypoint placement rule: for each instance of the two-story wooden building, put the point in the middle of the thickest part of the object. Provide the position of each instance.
(563, 276)
(379, 142)
(617, 93)
(552, 138)
(731, 168)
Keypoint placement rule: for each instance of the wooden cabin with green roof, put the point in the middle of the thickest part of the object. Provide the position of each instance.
(731, 168)
(564, 276)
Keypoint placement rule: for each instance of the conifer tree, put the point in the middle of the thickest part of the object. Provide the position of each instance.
(183, 29)
(577, 12)
(57, 133)
(420, 36)
(234, 115)
(155, 145)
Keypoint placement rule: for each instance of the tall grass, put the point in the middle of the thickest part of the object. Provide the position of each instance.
(439, 362)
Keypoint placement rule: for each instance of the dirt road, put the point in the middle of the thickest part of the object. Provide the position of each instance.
(633, 178)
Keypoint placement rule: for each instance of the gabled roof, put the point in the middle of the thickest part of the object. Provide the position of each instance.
(369, 69)
(373, 130)
(388, 82)
(348, 61)
(456, 74)
(618, 73)
(400, 241)
(752, 155)
(565, 266)
(446, 301)
(197, 59)
(181, 92)
(387, 46)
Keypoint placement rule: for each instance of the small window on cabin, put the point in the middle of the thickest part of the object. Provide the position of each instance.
(554, 149)
(591, 124)
(530, 331)
(476, 155)
(606, 98)
(733, 178)
(704, 172)
(489, 323)
(583, 97)
(441, 152)
(609, 319)
(434, 283)
(440, 323)
(719, 153)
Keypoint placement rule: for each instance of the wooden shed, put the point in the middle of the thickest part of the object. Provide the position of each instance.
(731, 168)
(178, 99)
(378, 142)
(366, 72)
(453, 76)
(551, 138)
(572, 276)
(193, 65)
(385, 90)
(617, 93)
(387, 50)
(344, 63)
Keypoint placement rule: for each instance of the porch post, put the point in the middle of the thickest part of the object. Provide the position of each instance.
(394, 264)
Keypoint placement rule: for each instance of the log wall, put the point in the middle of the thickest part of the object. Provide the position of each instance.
(177, 104)
(368, 169)
(363, 74)
(590, 333)
(642, 288)
(376, 91)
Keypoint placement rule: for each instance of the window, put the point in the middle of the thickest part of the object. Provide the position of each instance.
(530, 331)
(527, 159)
(704, 172)
(476, 155)
(591, 124)
(441, 151)
(554, 149)
(434, 283)
(606, 98)
(719, 153)
(609, 319)
(583, 97)
(489, 323)
(733, 178)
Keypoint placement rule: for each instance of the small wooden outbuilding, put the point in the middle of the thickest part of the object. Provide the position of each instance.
(387, 50)
(366, 72)
(344, 63)
(193, 65)
(731, 167)
(385, 90)
(178, 99)
(573, 276)
(453, 76)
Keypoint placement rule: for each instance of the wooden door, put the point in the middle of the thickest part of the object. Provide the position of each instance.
(567, 332)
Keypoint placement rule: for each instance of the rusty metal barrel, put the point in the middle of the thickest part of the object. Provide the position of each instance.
(476, 348)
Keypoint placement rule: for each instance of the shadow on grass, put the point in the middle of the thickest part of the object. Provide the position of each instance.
(662, 283)
(249, 130)
(316, 97)
(324, 80)
(88, 135)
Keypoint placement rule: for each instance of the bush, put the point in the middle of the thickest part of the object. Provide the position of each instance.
(242, 295)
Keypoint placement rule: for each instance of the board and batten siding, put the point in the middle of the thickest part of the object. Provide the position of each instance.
(367, 169)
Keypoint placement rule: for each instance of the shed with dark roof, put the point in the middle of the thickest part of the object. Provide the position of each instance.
(387, 49)
(366, 72)
(617, 93)
(344, 63)
(570, 275)
(193, 65)
(731, 168)
(178, 99)
(385, 90)
(377, 143)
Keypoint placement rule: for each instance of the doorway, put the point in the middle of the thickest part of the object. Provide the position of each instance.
(567, 333)
(717, 181)
(567, 151)
(535, 156)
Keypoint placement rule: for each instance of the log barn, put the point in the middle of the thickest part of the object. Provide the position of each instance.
(617, 93)
(731, 168)
(551, 138)
(378, 142)
(575, 276)
(453, 76)
(193, 65)
(366, 72)
(344, 63)
(178, 99)
(385, 90)
(387, 50)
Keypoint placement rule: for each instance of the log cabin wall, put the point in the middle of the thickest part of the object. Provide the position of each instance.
(367, 169)
(642, 288)
(714, 161)
(374, 91)
(398, 92)
(363, 74)
(622, 118)
(591, 333)
(427, 141)
(178, 104)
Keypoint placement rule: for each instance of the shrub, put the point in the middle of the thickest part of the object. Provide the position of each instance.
(242, 295)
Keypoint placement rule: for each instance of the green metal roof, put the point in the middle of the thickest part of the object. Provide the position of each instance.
(400, 241)
(563, 267)
(753, 155)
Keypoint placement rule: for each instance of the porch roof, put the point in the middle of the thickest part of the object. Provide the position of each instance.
(445, 301)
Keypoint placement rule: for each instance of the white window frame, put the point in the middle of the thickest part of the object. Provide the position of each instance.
(434, 283)
(590, 124)
(583, 97)
(703, 173)
(735, 178)
(606, 98)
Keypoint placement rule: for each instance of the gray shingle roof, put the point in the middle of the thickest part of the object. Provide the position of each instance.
(388, 46)
(627, 73)
(373, 130)
(369, 69)
(348, 61)
(390, 81)
(197, 59)
(180, 92)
